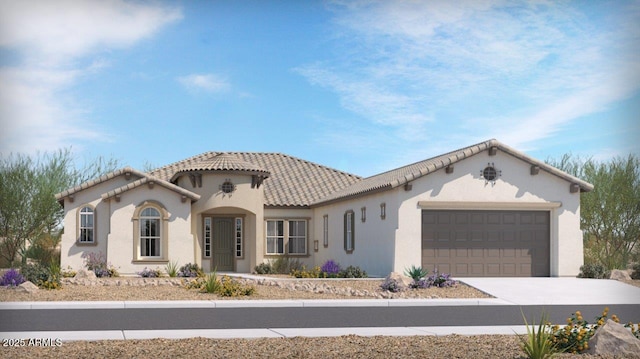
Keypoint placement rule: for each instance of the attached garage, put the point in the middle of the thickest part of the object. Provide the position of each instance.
(486, 243)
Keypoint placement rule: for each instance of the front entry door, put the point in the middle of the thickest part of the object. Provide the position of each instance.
(223, 244)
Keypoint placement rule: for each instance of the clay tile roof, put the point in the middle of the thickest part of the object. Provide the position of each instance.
(400, 176)
(222, 162)
(291, 182)
(150, 179)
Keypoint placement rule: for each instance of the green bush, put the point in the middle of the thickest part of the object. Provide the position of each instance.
(264, 268)
(352, 272)
(538, 344)
(42, 276)
(230, 287)
(416, 273)
(597, 271)
(285, 265)
(636, 271)
(172, 269)
(315, 272)
(211, 284)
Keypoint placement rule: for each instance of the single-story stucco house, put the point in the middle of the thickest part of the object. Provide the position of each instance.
(483, 210)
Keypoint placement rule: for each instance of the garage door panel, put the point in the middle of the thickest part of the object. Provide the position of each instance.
(486, 243)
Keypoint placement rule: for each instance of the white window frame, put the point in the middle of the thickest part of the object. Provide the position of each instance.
(83, 229)
(295, 240)
(277, 237)
(208, 228)
(149, 241)
(286, 237)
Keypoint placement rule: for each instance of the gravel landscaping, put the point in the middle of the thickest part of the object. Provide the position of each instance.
(450, 346)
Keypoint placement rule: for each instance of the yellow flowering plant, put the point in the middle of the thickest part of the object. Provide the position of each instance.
(574, 336)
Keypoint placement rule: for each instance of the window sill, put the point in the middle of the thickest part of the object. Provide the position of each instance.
(86, 244)
(150, 261)
(306, 255)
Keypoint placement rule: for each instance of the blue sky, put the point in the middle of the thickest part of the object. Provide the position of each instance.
(361, 86)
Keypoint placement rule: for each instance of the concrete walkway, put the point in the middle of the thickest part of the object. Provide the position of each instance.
(558, 296)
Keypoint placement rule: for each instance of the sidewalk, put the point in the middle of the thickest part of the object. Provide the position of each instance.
(557, 296)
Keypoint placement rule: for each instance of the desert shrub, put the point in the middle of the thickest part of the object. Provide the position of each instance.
(264, 268)
(68, 272)
(330, 268)
(42, 276)
(190, 270)
(230, 287)
(285, 265)
(150, 273)
(575, 335)
(437, 279)
(635, 274)
(97, 262)
(352, 272)
(193, 282)
(43, 250)
(315, 272)
(416, 273)
(211, 283)
(597, 271)
(391, 285)
(538, 344)
(12, 278)
(172, 269)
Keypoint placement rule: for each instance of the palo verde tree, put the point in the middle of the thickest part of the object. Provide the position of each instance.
(28, 208)
(610, 214)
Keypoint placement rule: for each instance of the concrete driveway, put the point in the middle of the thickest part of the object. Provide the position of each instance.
(560, 291)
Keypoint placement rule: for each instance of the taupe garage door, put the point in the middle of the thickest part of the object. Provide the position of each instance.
(486, 243)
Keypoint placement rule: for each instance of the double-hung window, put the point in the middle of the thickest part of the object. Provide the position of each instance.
(150, 233)
(297, 237)
(286, 236)
(87, 229)
(275, 237)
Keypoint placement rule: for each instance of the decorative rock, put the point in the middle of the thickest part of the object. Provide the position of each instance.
(27, 287)
(403, 282)
(88, 274)
(614, 339)
(618, 274)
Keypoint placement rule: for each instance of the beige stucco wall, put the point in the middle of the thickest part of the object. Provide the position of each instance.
(71, 254)
(515, 189)
(245, 202)
(115, 230)
(120, 247)
(374, 238)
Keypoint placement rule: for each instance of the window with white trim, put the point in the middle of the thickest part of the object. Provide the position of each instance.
(325, 230)
(297, 237)
(150, 232)
(207, 237)
(87, 227)
(238, 237)
(275, 237)
(286, 236)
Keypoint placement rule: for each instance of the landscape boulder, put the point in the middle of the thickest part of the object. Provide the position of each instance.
(614, 339)
(402, 282)
(27, 287)
(618, 274)
(85, 274)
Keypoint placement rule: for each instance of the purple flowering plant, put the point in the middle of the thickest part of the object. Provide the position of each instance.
(437, 279)
(11, 278)
(330, 268)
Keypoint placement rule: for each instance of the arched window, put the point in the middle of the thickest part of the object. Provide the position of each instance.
(87, 225)
(150, 233)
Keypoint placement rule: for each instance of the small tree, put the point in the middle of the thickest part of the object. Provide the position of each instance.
(29, 211)
(610, 214)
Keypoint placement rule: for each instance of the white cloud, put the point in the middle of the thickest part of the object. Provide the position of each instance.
(50, 43)
(517, 71)
(204, 82)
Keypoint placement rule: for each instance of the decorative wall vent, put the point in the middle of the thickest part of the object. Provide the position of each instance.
(490, 174)
(227, 187)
